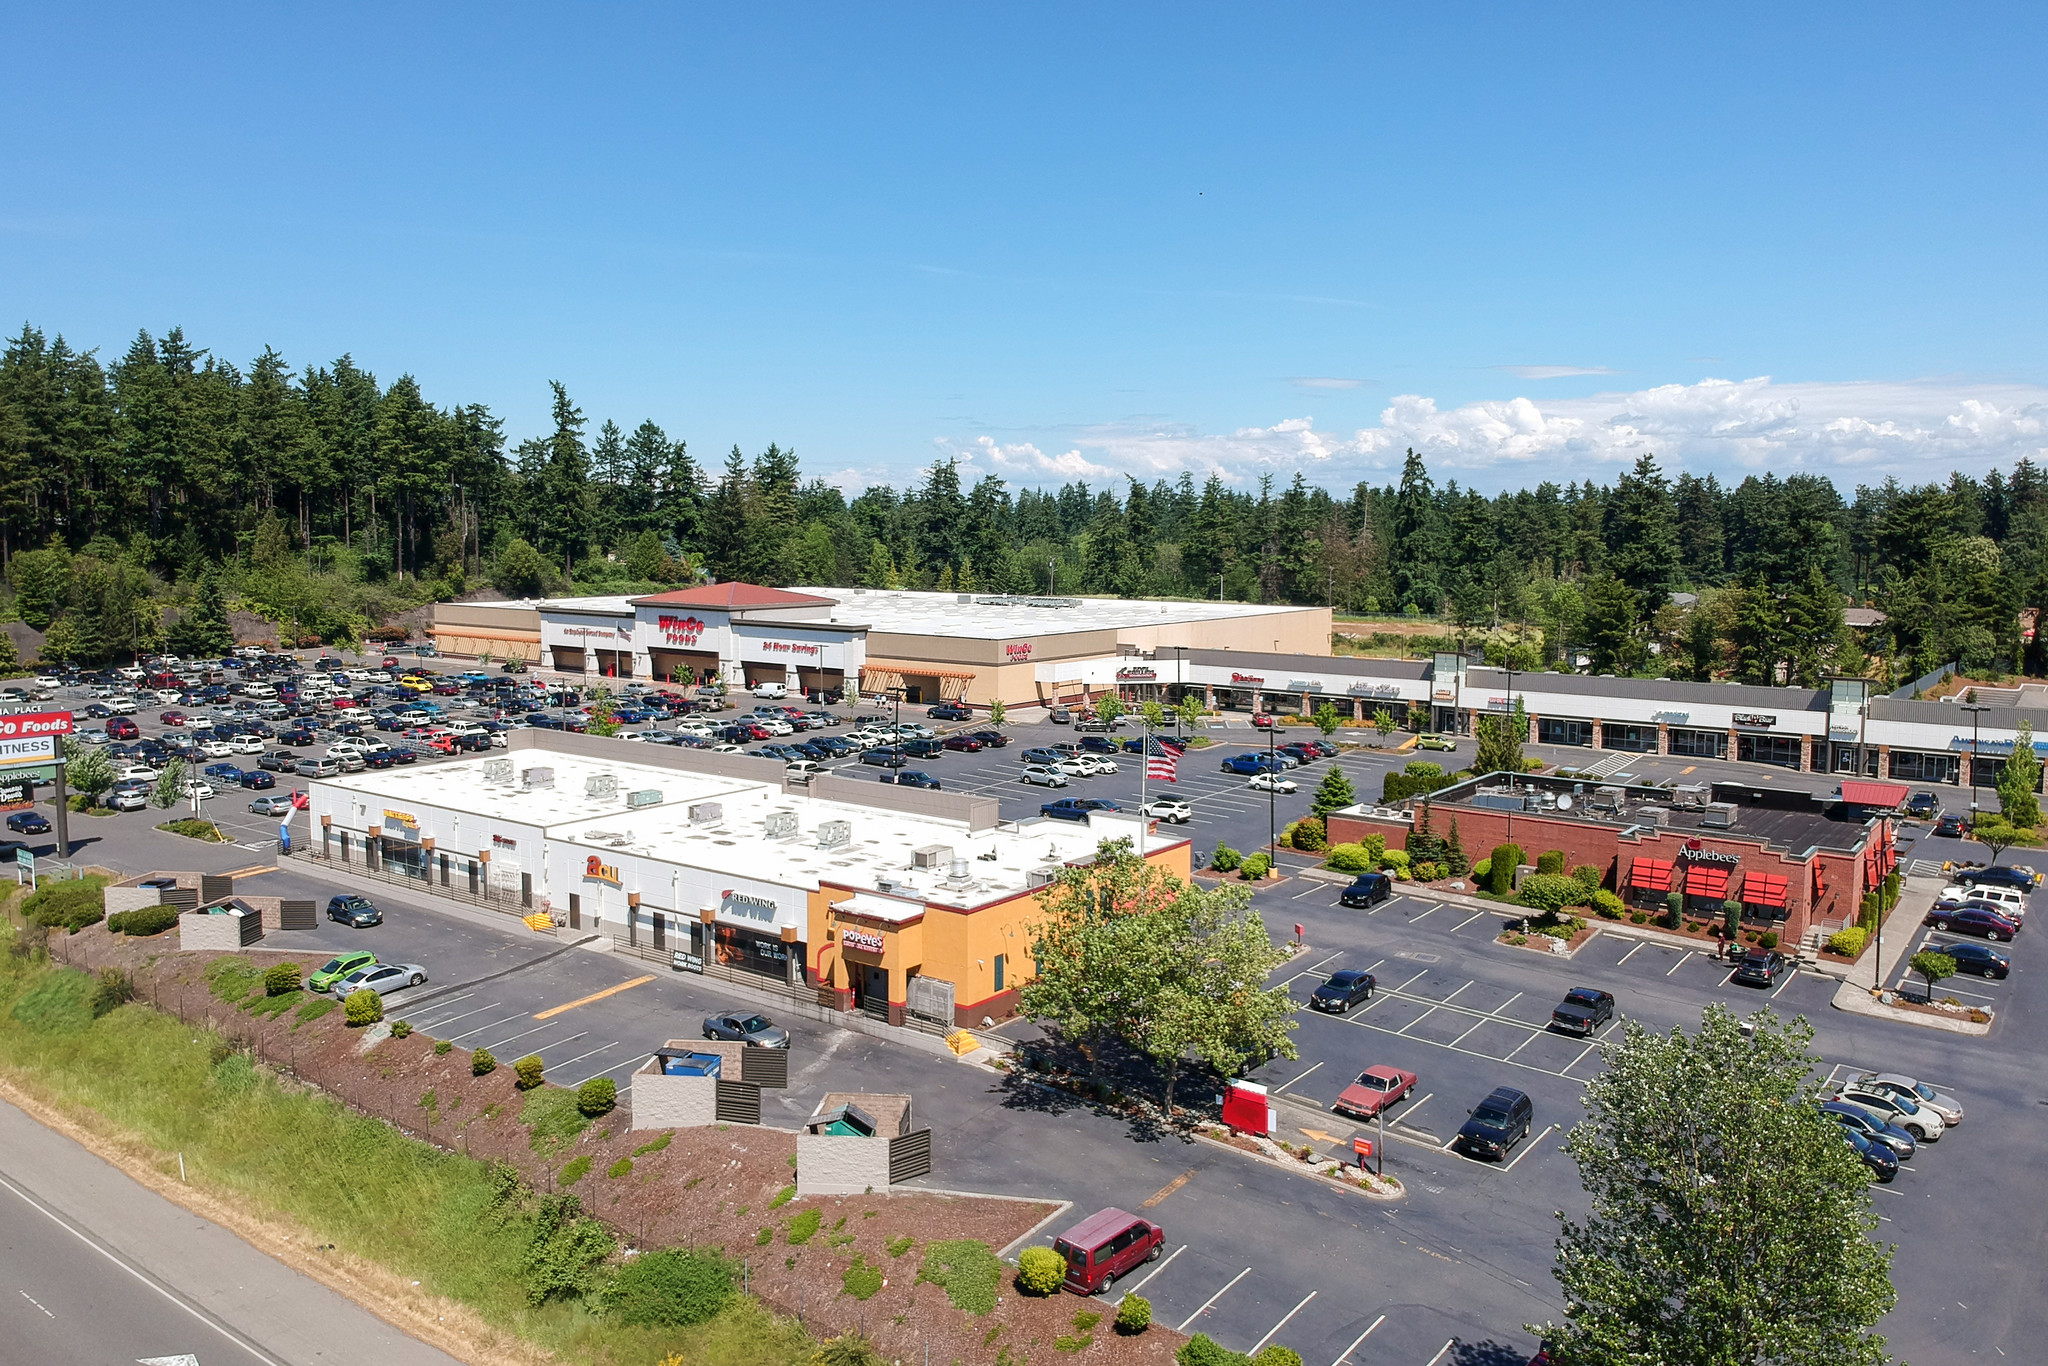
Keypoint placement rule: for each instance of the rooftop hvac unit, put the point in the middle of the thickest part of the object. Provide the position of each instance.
(781, 825)
(601, 836)
(1654, 815)
(833, 834)
(1718, 816)
(1497, 801)
(497, 770)
(537, 777)
(931, 855)
(601, 785)
(706, 813)
(885, 883)
(646, 796)
(1041, 877)
(957, 872)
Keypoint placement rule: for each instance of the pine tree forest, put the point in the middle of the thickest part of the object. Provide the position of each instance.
(172, 486)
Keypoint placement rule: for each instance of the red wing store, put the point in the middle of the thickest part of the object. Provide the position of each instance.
(1791, 861)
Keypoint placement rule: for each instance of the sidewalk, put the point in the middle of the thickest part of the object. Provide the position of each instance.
(1857, 994)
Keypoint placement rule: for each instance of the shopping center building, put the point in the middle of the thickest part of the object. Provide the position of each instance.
(892, 901)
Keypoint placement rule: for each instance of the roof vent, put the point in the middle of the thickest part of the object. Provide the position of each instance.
(497, 770)
(646, 796)
(1041, 877)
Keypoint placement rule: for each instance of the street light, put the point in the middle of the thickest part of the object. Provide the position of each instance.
(1272, 789)
(1975, 709)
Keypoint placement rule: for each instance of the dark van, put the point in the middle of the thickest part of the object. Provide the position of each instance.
(1105, 1246)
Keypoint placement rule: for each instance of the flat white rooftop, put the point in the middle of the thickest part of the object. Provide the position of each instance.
(879, 847)
(984, 616)
(463, 786)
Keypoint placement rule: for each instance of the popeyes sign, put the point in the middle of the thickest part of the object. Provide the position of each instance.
(679, 630)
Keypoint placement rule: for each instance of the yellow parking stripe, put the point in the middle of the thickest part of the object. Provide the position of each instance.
(253, 870)
(598, 996)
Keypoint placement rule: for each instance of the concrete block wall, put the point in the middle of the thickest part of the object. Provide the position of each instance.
(131, 899)
(837, 1164)
(196, 931)
(663, 1102)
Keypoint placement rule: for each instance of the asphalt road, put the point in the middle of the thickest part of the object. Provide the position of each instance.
(105, 1270)
(1447, 1275)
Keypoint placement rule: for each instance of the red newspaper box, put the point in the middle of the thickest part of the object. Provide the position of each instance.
(1247, 1109)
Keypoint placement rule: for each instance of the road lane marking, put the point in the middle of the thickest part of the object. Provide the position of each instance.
(594, 996)
(1212, 1300)
(1154, 1272)
(253, 870)
(1168, 1189)
(1283, 1323)
(1530, 1147)
(1641, 944)
(1360, 1338)
(1680, 963)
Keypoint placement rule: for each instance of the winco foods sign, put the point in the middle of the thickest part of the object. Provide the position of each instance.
(31, 737)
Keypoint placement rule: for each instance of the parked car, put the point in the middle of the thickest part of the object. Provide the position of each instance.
(1436, 742)
(129, 799)
(1060, 716)
(382, 978)
(1104, 1246)
(338, 967)
(911, 777)
(1975, 919)
(1096, 744)
(1076, 808)
(1583, 1010)
(28, 823)
(1272, 782)
(121, 728)
(1170, 809)
(1923, 806)
(1980, 959)
(1367, 889)
(1245, 763)
(1377, 1088)
(1761, 968)
(277, 804)
(1092, 723)
(923, 749)
(949, 711)
(990, 739)
(1042, 775)
(354, 910)
(1919, 1120)
(965, 744)
(1899, 1084)
(1264, 720)
(1878, 1129)
(1496, 1124)
(744, 1026)
(1882, 1162)
(256, 780)
(310, 767)
(888, 756)
(1950, 827)
(1342, 991)
(1998, 875)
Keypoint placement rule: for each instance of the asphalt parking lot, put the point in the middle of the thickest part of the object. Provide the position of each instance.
(1255, 1252)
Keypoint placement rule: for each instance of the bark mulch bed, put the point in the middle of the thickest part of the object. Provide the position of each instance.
(712, 1186)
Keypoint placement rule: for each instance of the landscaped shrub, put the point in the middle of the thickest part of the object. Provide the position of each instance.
(1500, 869)
(1311, 834)
(1225, 859)
(441, 1047)
(1849, 942)
(1767, 940)
(969, 1273)
(804, 1227)
(1134, 1315)
(1395, 861)
(1550, 892)
(481, 1063)
(1672, 901)
(401, 1029)
(147, 921)
(1276, 1355)
(1550, 861)
(1638, 918)
(528, 1069)
(69, 905)
(1590, 874)
(1255, 867)
(597, 1096)
(1203, 1350)
(1040, 1271)
(1347, 858)
(671, 1289)
(861, 1279)
(282, 980)
(620, 1169)
(364, 1008)
(1607, 904)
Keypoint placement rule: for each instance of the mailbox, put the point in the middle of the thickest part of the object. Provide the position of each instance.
(1362, 1147)
(1247, 1109)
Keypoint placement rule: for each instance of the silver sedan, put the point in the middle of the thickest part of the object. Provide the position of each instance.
(382, 978)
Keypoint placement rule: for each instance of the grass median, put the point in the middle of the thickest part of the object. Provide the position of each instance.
(528, 1276)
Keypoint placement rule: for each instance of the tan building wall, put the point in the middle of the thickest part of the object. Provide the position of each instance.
(502, 630)
(1293, 630)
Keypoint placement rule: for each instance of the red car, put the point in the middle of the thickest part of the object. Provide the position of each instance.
(1263, 720)
(1376, 1088)
(342, 703)
(390, 662)
(965, 743)
(172, 718)
(121, 728)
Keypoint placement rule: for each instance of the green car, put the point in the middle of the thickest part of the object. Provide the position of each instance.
(1435, 742)
(338, 967)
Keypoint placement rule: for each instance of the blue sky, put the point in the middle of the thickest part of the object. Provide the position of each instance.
(1085, 241)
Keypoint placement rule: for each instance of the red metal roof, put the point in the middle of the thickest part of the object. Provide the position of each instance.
(1650, 874)
(1873, 794)
(740, 596)
(1704, 879)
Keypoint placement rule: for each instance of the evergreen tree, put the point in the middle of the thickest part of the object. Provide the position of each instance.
(562, 520)
(2019, 781)
(202, 630)
(1641, 527)
(1334, 793)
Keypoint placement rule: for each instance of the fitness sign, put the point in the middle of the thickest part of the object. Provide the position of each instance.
(32, 737)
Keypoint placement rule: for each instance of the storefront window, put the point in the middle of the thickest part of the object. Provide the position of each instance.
(1990, 766)
(1915, 767)
(1553, 731)
(751, 952)
(1700, 744)
(1782, 750)
(1844, 757)
(1635, 739)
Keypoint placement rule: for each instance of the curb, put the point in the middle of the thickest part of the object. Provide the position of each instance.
(1855, 1000)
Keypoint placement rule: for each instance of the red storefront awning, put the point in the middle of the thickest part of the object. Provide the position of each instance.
(1650, 875)
(1764, 889)
(1886, 795)
(1704, 879)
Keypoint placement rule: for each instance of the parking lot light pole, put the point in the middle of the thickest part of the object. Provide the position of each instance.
(1272, 793)
(1975, 709)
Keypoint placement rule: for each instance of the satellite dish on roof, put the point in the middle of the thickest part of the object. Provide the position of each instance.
(1564, 803)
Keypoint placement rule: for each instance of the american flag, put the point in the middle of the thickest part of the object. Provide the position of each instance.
(1160, 767)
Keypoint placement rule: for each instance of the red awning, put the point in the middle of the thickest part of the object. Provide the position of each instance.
(1704, 879)
(1764, 889)
(1650, 875)
(1886, 795)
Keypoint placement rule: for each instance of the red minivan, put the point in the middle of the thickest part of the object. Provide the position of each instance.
(1105, 1246)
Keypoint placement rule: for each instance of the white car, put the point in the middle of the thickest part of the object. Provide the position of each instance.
(1042, 775)
(773, 726)
(1169, 809)
(216, 749)
(246, 744)
(727, 747)
(1921, 1121)
(136, 773)
(170, 697)
(49, 681)
(132, 799)
(121, 706)
(1076, 767)
(198, 720)
(1897, 1083)
(1267, 782)
(1097, 764)
(195, 788)
(90, 737)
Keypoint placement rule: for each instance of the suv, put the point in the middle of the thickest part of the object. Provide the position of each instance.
(1369, 889)
(1923, 806)
(1761, 968)
(1170, 809)
(354, 910)
(1344, 990)
(1042, 775)
(1497, 1124)
(1583, 1010)
(949, 711)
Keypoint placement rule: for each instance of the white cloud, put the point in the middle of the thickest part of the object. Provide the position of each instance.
(1553, 371)
(1324, 382)
(1856, 432)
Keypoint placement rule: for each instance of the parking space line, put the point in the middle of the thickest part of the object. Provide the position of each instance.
(1789, 978)
(1641, 944)
(581, 1056)
(1434, 907)
(481, 1028)
(594, 996)
(1313, 887)
(1360, 1338)
(1440, 1352)
(1410, 982)
(1582, 1056)
(1307, 970)
(1154, 1272)
(1408, 1113)
(1287, 1085)
(1211, 1300)
(1680, 963)
(630, 1062)
(1283, 1323)
(1416, 1021)
(1466, 921)
(1533, 1037)
(1454, 995)
(1531, 1147)
(535, 1030)
(1476, 1024)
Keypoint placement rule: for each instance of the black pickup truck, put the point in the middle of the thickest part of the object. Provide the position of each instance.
(1583, 1010)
